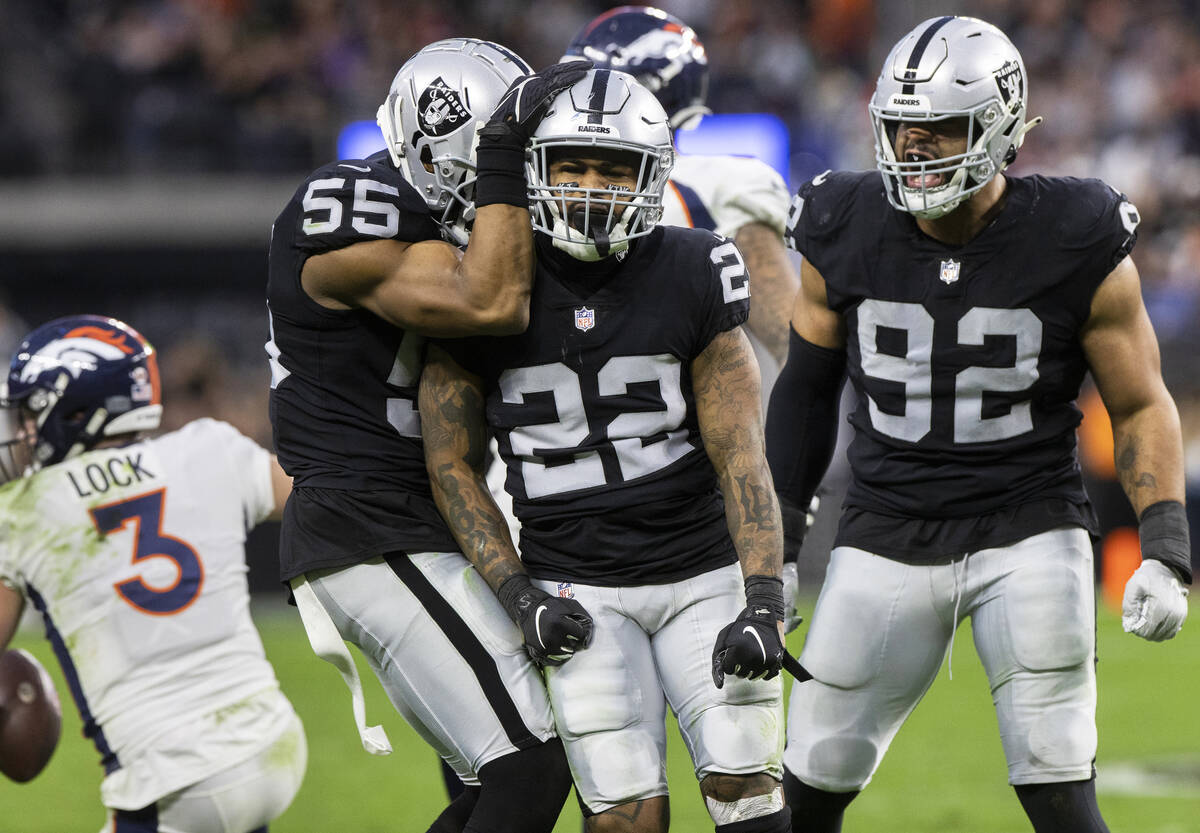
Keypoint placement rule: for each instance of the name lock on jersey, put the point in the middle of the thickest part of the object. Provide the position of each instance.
(113, 472)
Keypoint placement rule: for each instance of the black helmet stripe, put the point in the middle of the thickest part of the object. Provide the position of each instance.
(512, 56)
(914, 60)
(597, 95)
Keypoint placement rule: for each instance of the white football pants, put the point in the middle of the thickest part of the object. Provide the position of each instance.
(882, 628)
(652, 645)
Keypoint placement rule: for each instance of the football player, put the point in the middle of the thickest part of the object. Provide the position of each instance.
(966, 305)
(736, 196)
(132, 550)
(624, 413)
(359, 275)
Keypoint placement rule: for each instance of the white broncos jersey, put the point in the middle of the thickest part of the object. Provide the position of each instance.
(724, 193)
(134, 557)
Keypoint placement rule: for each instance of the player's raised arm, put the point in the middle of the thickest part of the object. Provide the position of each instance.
(1123, 355)
(451, 402)
(429, 286)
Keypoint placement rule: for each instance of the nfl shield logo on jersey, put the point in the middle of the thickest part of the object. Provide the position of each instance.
(585, 319)
(950, 271)
(565, 591)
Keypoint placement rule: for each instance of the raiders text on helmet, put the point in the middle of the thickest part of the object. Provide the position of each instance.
(947, 68)
(606, 110)
(661, 51)
(436, 101)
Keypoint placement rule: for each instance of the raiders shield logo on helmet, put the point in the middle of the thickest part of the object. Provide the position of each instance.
(1010, 82)
(440, 111)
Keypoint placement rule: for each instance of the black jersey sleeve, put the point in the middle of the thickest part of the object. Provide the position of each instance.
(724, 292)
(820, 210)
(1097, 228)
(1106, 227)
(354, 200)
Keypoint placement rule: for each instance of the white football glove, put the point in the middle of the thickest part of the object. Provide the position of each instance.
(1155, 602)
(791, 587)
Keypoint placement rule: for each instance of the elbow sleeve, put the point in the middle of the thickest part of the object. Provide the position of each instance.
(802, 419)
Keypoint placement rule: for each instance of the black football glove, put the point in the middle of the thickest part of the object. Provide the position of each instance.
(554, 628)
(523, 105)
(750, 645)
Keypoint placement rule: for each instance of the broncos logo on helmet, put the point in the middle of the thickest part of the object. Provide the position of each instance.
(81, 379)
(658, 49)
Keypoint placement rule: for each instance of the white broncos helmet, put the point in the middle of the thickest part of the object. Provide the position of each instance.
(950, 67)
(609, 110)
(437, 101)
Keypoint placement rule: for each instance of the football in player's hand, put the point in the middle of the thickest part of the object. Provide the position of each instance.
(30, 716)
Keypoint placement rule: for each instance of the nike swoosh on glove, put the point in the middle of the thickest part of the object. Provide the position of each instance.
(523, 105)
(1155, 603)
(748, 647)
(553, 628)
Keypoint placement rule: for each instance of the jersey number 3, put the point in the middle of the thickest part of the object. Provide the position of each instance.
(150, 542)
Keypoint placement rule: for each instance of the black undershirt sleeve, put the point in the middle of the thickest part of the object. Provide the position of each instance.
(802, 420)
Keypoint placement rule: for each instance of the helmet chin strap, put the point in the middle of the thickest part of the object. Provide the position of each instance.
(602, 243)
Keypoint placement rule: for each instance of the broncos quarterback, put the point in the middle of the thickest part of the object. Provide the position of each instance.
(132, 550)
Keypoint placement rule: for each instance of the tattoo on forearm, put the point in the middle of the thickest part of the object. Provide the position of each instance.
(479, 528)
(1133, 481)
(756, 503)
(726, 392)
(455, 435)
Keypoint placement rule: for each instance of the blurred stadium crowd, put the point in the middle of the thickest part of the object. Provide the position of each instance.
(144, 88)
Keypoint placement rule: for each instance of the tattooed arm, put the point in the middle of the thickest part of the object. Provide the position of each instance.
(451, 404)
(729, 407)
(1123, 356)
(453, 425)
(1122, 353)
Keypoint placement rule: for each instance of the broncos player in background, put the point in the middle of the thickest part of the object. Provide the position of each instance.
(624, 412)
(359, 275)
(967, 305)
(133, 552)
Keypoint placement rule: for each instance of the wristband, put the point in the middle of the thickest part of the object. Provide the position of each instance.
(516, 594)
(765, 592)
(1163, 533)
(500, 174)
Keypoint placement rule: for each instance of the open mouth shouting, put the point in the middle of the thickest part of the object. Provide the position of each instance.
(922, 177)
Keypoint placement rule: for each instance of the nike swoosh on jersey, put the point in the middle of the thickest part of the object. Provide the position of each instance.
(748, 629)
(354, 167)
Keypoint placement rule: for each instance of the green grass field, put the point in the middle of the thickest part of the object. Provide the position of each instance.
(945, 772)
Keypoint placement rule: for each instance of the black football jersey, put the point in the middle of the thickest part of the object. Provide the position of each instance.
(965, 360)
(594, 413)
(344, 382)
